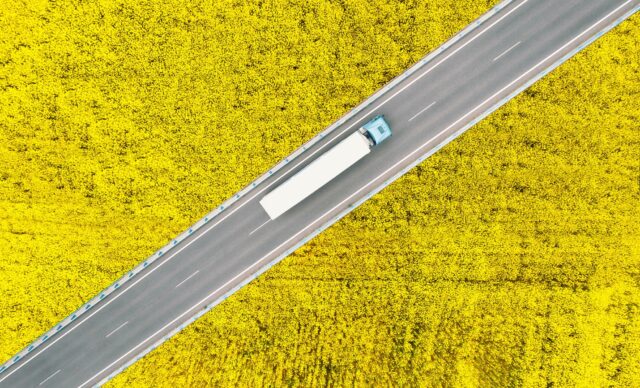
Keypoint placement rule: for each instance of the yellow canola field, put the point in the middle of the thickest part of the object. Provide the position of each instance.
(511, 257)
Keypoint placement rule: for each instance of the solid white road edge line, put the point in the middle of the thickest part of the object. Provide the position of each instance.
(505, 52)
(357, 192)
(231, 212)
(248, 200)
(256, 229)
(444, 46)
(116, 329)
(422, 111)
(190, 276)
(47, 379)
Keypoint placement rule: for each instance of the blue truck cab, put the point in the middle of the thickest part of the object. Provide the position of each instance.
(376, 130)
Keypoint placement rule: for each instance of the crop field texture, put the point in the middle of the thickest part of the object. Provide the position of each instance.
(511, 257)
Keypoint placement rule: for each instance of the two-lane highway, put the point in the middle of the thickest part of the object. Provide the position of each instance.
(443, 97)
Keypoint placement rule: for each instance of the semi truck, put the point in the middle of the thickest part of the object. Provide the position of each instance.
(326, 167)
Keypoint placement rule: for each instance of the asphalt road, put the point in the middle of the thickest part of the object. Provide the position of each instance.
(455, 88)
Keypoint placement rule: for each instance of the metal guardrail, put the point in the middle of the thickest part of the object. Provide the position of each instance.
(239, 195)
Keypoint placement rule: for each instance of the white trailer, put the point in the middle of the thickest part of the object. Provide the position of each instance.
(325, 168)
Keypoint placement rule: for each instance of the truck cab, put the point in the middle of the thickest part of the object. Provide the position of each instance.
(376, 130)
